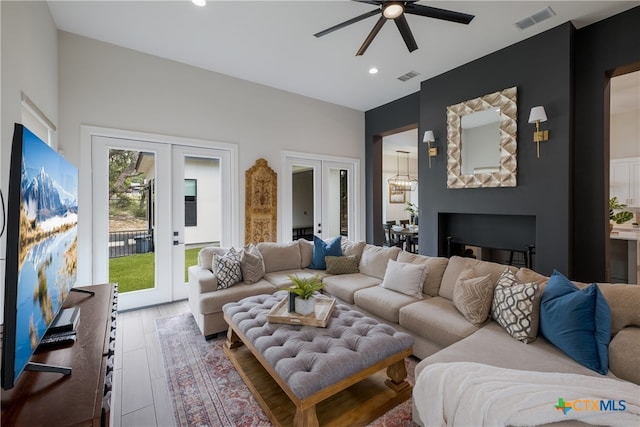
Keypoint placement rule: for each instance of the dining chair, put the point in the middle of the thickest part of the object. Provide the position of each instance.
(389, 238)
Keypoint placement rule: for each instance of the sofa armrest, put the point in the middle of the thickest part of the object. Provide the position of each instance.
(624, 354)
(201, 280)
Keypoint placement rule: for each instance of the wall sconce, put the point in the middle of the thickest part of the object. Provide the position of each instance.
(536, 116)
(429, 138)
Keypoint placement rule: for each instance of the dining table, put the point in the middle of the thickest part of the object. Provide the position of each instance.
(408, 236)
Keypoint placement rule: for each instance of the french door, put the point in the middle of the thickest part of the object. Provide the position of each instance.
(319, 197)
(178, 198)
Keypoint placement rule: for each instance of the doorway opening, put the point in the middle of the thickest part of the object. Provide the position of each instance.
(320, 197)
(400, 204)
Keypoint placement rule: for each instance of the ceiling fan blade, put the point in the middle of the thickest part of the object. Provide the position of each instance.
(374, 2)
(405, 31)
(371, 36)
(434, 12)
(348, 22)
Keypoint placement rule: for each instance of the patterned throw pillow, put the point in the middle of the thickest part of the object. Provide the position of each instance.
(342, 264)
(472, 296)
(514, 307)
(251, 264)
(227, 269)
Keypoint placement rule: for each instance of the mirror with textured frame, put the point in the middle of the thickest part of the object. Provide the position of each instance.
(481, 141)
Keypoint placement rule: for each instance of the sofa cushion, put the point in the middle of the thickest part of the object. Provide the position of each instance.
(374, 260)
(322, 248)
(227, 269)
(382, 302)
(458, 264)
(491, 345)
(405, 278)
(446, 325)
(280, 279)
(577, 321)
(251, 264)
(472, 296)
(516, 307)
(306, 252)
(212, 302)
(345, 285)
(624, 354)
(205, 256)
(435, 269)
(347, 264)
(280, 256)
(624, 301)
(352, 248)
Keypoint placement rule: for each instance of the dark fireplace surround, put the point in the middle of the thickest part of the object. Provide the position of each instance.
(506, 239)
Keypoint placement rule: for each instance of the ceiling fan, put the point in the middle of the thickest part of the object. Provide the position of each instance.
(395, 10)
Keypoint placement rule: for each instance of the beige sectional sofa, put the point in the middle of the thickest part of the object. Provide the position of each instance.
(442, 333)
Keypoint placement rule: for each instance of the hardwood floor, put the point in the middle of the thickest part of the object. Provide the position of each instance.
(140, 395)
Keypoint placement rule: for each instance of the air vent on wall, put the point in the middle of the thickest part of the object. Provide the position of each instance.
(536, 18)
(407, 76)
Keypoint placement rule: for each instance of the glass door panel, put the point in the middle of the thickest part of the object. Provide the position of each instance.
(198, 208)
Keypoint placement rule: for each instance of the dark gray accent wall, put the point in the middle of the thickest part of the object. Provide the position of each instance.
(540, 67)
(602, 49)
(566, 190)
(396, 116)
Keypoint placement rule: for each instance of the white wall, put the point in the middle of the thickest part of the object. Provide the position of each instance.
(206, 172)
(108, 86)
(29, 59)
(625, 134)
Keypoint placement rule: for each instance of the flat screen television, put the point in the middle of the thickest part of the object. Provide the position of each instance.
(41, 261)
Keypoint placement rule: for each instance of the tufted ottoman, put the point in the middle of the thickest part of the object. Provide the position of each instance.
(306, 376)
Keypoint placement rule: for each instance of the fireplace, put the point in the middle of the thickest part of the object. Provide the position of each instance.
(505, 239)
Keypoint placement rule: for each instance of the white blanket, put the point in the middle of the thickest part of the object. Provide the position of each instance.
(473, 394)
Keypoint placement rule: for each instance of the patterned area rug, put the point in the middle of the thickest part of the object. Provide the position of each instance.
(206, 390)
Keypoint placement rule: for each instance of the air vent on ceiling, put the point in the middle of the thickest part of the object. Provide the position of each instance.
(407, 76)
(536, 18)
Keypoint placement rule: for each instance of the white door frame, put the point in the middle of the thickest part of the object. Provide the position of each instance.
(285, 192)
(88, 271)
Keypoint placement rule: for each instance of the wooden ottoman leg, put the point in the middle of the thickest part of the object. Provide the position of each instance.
(233, 340)
(397, 374)
(306, 417)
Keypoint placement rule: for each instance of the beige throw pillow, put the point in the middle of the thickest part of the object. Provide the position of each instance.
(404, 277)
(251, 264)
(472, 296)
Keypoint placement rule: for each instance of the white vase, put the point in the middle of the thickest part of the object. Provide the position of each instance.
(305, 306)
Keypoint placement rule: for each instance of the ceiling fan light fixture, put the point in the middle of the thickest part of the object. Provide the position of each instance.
(392, 9)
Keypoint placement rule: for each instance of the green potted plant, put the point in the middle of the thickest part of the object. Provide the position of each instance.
(413, 212)
(303, 289)
(617, 213)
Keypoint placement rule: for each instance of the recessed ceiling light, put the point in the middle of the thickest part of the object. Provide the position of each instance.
(199, 2)
(373, 70)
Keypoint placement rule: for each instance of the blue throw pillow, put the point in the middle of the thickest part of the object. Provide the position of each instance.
(576, 321)
(322, 249)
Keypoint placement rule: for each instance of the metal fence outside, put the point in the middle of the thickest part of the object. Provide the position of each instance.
(130, 242)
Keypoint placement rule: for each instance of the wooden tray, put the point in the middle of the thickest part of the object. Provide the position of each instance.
(324, 307)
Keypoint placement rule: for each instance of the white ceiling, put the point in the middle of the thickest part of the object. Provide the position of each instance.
(272, 42)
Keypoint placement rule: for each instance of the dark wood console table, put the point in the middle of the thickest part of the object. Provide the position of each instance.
(83, 397)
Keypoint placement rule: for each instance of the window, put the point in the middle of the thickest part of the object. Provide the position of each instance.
(190, 202)
(35, 120)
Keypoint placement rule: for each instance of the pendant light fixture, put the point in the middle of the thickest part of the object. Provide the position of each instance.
(402, 182)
